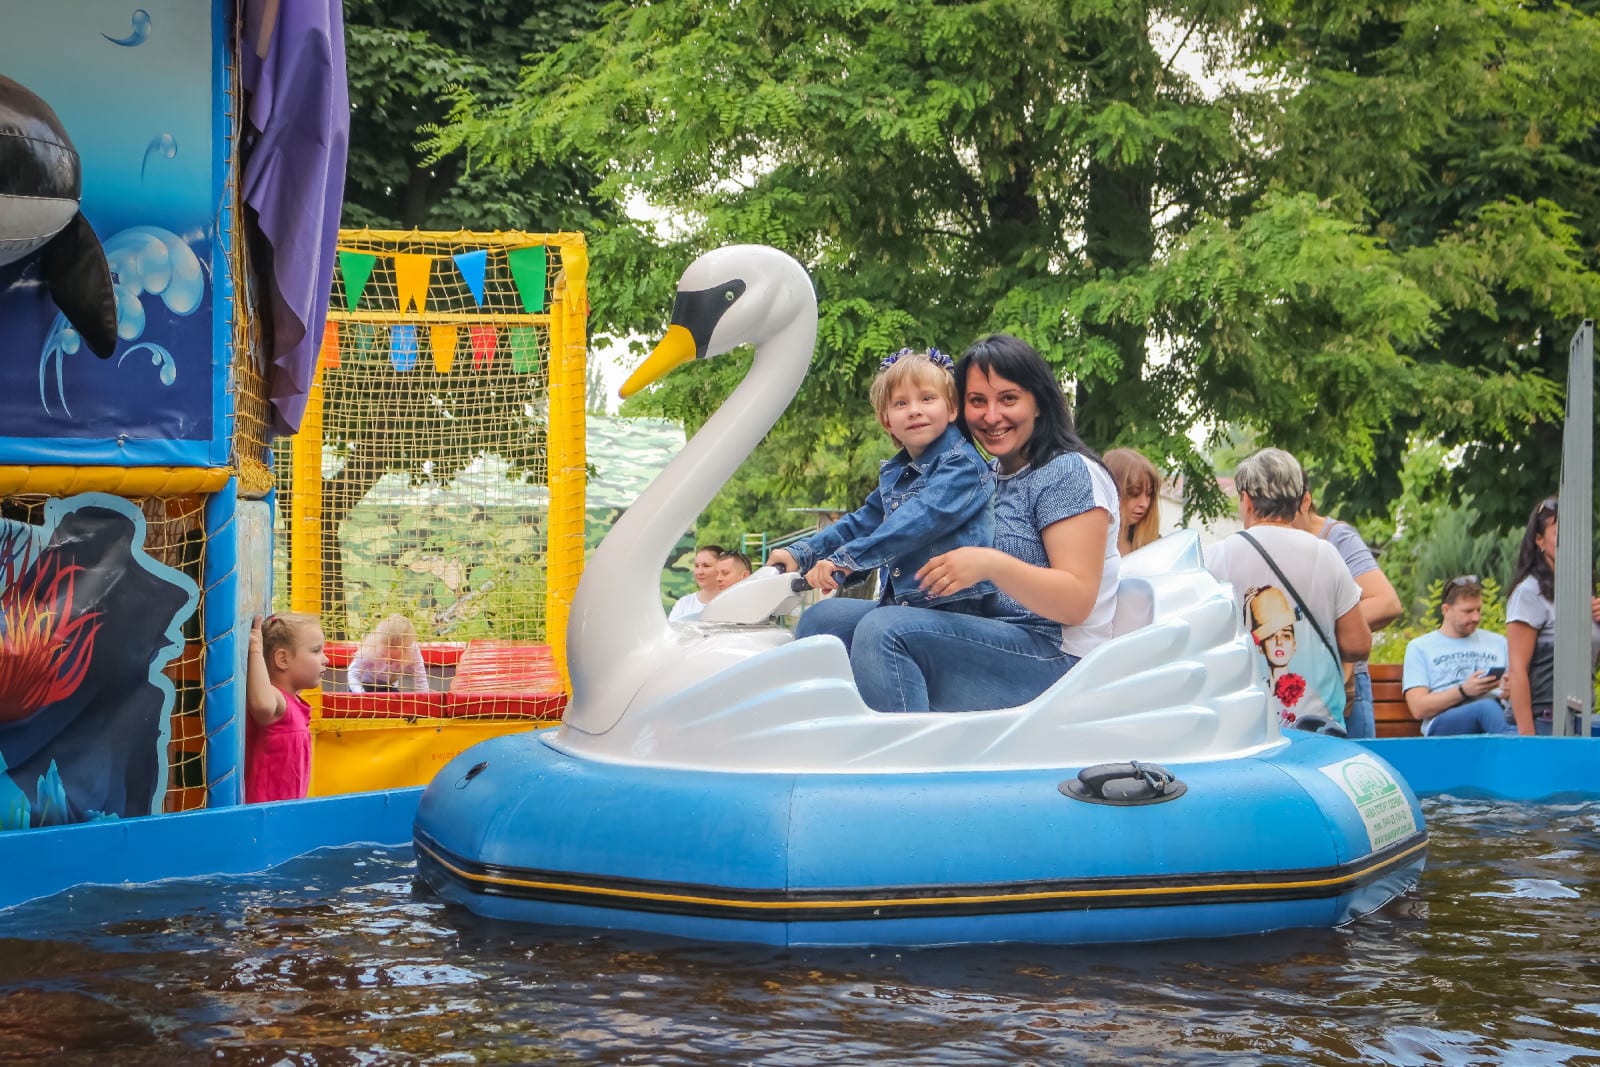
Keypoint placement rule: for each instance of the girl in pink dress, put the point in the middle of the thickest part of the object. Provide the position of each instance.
(286, 656)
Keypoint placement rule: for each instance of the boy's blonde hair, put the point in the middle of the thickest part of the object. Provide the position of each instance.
(286, 631)
(921, 368)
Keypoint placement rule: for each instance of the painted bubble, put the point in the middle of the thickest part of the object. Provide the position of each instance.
(140, 30)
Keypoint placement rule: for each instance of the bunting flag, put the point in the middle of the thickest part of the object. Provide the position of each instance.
(443, 341)
(411, 280)
(483, 345)
(330, 345)
(528, 273)
(403, 347)
(473, 267)
(524, 349)
(355, 268)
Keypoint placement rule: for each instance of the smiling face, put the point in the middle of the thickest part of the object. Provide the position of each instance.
(705, 569)
(1001, 414)
(916, 414)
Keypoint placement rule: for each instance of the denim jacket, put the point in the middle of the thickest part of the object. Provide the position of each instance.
(922, 508)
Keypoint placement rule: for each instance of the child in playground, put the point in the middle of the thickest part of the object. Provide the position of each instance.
(286, 656)
(935, 495)
(389, 660)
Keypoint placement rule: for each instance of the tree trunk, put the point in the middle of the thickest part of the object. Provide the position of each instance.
(361, 472)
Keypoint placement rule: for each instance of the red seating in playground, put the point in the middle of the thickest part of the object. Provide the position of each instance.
(493, 680)
(498, 678)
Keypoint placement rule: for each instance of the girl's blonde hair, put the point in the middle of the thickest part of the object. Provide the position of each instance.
(396, 628)
(287, 631)
(1130, 470)
(931, 367)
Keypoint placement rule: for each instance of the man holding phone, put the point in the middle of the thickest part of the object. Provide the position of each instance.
(1451, 680)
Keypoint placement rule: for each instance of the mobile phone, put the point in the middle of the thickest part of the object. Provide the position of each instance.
(1495, 672)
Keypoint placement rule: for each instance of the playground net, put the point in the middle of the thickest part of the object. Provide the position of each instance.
(438, 474)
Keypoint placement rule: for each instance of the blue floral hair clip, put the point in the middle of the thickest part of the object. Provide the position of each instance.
(936, 357)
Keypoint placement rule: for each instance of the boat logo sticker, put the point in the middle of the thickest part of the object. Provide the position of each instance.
(1377, 796)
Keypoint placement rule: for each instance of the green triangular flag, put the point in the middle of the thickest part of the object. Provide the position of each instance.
(355, 268)
(524, 349)
(527, 271)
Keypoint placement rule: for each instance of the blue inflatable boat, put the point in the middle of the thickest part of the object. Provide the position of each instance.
(721, 780)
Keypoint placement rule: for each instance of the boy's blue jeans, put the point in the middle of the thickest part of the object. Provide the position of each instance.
(924, 659)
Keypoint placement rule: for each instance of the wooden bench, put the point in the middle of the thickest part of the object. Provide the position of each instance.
(1389, 709)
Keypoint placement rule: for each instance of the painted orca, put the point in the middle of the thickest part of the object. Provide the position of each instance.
(41, 183)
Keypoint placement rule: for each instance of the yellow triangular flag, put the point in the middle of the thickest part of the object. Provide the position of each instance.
(443, 339)
(411, 280)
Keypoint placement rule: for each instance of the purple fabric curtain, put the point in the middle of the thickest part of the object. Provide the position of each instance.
(296, 136)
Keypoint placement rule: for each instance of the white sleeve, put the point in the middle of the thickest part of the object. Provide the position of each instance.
(353, 675)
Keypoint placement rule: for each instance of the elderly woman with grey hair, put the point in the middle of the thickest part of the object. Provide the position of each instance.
(1322, 600)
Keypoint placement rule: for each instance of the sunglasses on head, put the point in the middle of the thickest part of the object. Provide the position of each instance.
(1547, 504)
(1465, 581)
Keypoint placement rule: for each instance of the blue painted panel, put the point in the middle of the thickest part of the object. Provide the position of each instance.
(225, 841)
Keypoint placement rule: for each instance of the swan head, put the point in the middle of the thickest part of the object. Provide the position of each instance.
(731, 296)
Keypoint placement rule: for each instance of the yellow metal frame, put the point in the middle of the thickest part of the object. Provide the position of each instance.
(568, 479)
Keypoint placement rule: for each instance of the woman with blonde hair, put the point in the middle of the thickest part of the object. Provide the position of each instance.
(1138, 483)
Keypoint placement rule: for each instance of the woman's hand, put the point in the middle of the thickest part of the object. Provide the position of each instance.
(958, 569)
(782, 559)
(821, 576)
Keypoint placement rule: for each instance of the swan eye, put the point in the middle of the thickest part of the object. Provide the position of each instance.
(728, 295)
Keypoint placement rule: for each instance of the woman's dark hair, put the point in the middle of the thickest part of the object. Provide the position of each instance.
(1015, 360)
(1530, 557)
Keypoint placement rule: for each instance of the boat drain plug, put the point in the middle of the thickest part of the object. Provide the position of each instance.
(1124, 784)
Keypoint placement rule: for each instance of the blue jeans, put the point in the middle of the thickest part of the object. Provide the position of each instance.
(921, 659)
(1359, 721)
(1485, 715)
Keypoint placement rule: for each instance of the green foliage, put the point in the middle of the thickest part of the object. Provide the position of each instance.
(1462, 136)
(1387, 234)
(404, 61)
(1438, 537)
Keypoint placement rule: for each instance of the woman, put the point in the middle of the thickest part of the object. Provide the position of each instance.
(1531, 624)
(1137, 483)
(1054, 559)
(705, 580)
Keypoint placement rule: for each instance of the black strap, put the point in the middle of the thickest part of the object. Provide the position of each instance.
(1289, 588)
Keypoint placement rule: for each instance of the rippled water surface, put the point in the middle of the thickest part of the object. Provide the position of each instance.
(334, 960)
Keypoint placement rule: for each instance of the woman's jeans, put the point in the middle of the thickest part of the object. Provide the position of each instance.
(924, 659)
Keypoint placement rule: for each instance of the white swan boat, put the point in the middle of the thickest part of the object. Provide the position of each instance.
(721, 780)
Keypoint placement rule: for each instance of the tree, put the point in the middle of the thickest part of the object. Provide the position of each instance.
(405, 58)
(1049, 168)
(1463, 138)
(950, 169)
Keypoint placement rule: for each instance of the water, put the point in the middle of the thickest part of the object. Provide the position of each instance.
(335, 960)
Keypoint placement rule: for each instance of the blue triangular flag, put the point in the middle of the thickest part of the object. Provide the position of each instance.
(403, 347)
(472, 266)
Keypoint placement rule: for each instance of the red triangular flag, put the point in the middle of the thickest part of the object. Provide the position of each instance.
(484, 340)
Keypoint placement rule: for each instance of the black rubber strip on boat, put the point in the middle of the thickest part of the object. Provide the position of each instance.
(890, 902)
